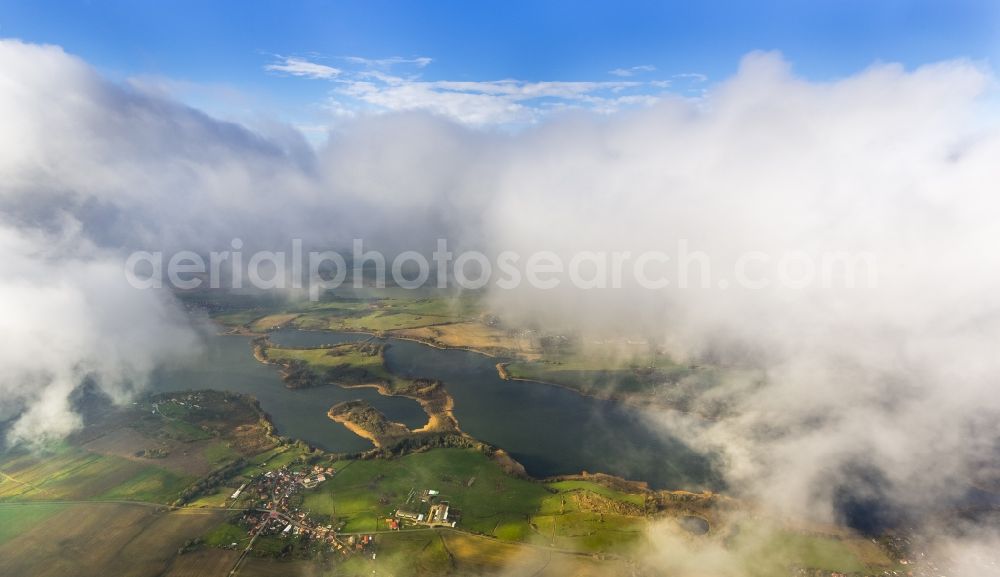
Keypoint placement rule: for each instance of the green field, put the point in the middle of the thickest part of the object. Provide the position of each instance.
(135, 454)
(447, 552)
(404, 553)
(368, 490)
(16, 519)
(346, 355)
(586, 516)
(636, 499)
(64, 472)
(600, 373)
(491, 502)
(373, 310)
(226, 534)
(769, 550)
(345, 364)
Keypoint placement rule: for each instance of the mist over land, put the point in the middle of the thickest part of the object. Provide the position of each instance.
(883, 392)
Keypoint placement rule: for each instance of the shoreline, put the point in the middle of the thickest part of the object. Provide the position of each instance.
(434, 344)
(505, 375)
(355, 428)
(439, 419)
(501, 367)
(443, 420)
(631, 400)
(436, 419)
(378, 440)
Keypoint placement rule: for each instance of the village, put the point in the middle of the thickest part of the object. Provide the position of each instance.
(272, 507)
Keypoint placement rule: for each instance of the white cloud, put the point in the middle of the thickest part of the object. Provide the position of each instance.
(696, 77)
(890, 161)
(301, 67)
(475, 108)
(901, 380)
(632, 71)
(486, 103)
(373, 86)
(71, 316)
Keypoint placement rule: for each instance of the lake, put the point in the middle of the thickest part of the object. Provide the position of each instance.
(549, 429)
(227, 363)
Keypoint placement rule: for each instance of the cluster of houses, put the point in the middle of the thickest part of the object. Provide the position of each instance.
(318, 476)
(275, 488)
(273, 510)
(276, 515)
(183, 400)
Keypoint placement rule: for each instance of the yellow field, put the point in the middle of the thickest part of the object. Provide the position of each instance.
(257, 567)
(102, 539)
(474, 335)
(204, 563)
(443, 552)
(474, 555)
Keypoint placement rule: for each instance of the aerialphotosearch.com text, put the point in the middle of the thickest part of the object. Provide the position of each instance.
(682, 267)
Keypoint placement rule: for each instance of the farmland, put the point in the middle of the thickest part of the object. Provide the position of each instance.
(65, 472)
(387, 314)
(95, 504)
(448, 552)
(151, 451)
(15, 520)
(97, 539)
(491, 502)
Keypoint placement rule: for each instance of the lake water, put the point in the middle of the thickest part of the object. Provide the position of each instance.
(227, 363)
(550, 430)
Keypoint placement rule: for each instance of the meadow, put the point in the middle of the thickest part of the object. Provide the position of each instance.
(439, 552)
(491, 502)
(64, 472)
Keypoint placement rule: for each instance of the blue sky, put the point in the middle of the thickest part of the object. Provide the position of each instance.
(290, 60)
